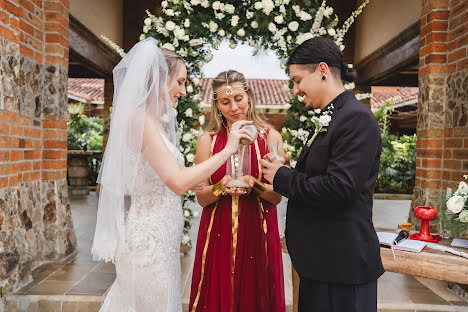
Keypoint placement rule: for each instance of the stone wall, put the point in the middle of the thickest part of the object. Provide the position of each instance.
(442, 147)
(35, 218)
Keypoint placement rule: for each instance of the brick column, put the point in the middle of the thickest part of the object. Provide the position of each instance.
(35, 217)
(442, 147)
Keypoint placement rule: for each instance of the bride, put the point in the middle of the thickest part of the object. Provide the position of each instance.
(140, 220)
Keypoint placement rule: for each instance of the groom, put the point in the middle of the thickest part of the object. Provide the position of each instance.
(329, 232)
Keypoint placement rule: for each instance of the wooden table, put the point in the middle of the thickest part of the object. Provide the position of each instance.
(428, 263)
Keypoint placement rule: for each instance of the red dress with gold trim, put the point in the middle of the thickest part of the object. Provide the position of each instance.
(238, 263)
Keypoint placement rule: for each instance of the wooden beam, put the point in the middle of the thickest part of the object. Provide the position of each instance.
(392, 58)
(90, 52)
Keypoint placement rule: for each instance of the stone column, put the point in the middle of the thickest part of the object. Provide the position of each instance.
(442, 146)
(35, 217)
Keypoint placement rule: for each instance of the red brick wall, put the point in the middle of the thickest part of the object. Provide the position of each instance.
(32, 149)
(35, 217)
(442, 147)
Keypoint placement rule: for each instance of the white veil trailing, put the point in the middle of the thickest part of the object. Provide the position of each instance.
(141, 84)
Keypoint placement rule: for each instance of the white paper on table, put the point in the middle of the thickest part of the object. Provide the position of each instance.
(459, 242)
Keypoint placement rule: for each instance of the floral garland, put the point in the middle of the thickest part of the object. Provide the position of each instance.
(457, 209)
(192, 28)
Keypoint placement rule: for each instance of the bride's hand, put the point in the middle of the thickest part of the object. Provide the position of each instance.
(198, 188)
(236, 134)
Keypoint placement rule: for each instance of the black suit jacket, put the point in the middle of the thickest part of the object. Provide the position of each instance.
(329, 230)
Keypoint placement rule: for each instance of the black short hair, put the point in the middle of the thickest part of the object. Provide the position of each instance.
(322, 49)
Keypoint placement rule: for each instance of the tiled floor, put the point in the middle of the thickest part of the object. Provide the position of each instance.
(80, 284)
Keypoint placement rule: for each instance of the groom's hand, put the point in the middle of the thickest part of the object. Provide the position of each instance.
(269, 167)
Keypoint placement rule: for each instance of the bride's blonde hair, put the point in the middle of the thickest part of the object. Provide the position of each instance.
(216, 118)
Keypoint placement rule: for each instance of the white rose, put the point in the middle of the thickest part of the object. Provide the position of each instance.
(216, 5)
(213, 26)
(293, 26)
(258, 5)
(300, 98)
(169, 46)
(232, 45)
(229, 8)
(185, 239)
(272, 27)
(463, 188)
(287, 106)
(302, 118)
(188, 112)
(186, 213)
(209, 57)
(317, 110)
(187, 23)
(455, 204)
(342, 47)
(185, 38)
(195, 2)
(205, 3)
(164, 4)
(249, 14)
(463, 216)
(196, 81)
(279, 19)
(304, 37)
(202, 120)
(324, 120)
(169, 12)
(268, 6)
(189, 89)
(331, 32)
(254, 24)
(142, 37)
(179, 33)
(252, 43)
(328, 11)
(187, 137)
(286, 87)
(190, 157)
(147, 21)
(221, 32)
(165, 118)
(283, 65)
(170, 25)
(234, 21)
(241, 32)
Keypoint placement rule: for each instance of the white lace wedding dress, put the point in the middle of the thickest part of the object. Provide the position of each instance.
(148, 271)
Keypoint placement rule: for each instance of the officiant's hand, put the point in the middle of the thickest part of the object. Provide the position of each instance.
(269, 166)
(238, 190)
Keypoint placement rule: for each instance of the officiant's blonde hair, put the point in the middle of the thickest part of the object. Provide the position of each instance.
(230, 77)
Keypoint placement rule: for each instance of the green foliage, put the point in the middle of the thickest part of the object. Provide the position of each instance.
(383, 115)
(397, 164)
(85, 133)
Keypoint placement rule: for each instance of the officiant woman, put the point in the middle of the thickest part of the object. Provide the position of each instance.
(238, 263)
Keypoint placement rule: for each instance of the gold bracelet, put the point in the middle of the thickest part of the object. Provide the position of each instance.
(258, 187)
(217, 189)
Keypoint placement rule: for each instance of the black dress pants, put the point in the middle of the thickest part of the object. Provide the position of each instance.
(315, 296)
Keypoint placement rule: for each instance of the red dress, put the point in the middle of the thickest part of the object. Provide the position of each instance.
(238, 264)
